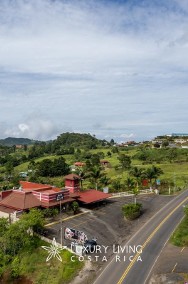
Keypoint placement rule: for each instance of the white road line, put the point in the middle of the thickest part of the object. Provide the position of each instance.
(139, 232)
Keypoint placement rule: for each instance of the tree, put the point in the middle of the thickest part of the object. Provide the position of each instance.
(112, 142)
(9, 168)
(172, 154)
(4, 224)
(104, 180)
(83, 174)
(130, 183)
(125, 161)
(132, 211)
(109, 154)
(165, 143)
(75, 206)
(137, 173)
(60, 167)
(51, 168)
(153, 173)
(33, 220)
(116, 184)
(95, 174)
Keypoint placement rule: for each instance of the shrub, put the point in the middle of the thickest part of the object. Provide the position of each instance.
(132, 211)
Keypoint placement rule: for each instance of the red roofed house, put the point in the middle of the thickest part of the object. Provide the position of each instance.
(72, 182)
(79, 164)
(104, 163)
(48, 195)
(32, 195)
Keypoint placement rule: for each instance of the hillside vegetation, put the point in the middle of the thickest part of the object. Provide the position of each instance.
(127, 167)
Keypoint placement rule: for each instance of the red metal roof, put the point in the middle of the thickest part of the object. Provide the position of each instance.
(6, 210)
(92, 195)
(79, 164)
(72, 177)
(20, 200)
(30, 186)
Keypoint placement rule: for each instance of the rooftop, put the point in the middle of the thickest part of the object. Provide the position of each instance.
(20, 200)
(92, 195)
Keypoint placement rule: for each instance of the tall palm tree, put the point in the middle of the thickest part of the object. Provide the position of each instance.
(130, 183)
(137, 173)
(153, 173)
(95, 174)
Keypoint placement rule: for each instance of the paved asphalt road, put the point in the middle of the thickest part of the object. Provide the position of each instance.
(152, 237)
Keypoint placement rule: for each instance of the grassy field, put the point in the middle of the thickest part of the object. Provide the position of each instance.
(175, 173)
(180, 236)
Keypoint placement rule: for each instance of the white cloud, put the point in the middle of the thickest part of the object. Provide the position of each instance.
(33, 128)
(87, 63)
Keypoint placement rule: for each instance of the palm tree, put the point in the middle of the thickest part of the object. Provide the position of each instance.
(95, 175)
(153, 173)
(83, 175)
(137, 173)
(104, 180)
(130, 183)
(116, 184)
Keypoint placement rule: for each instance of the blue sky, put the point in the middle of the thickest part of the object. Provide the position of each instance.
(116, 69)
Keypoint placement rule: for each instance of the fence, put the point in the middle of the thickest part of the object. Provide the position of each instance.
(126, 193)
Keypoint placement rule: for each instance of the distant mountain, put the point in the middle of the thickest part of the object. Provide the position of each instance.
(10, 141)
(66, 140)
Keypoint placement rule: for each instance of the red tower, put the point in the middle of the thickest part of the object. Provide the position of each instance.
(72, 183)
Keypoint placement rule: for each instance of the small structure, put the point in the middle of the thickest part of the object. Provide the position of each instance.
(79, 164)
(104, 163)
(72, 183)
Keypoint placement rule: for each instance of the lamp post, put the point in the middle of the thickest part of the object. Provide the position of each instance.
(59, 198)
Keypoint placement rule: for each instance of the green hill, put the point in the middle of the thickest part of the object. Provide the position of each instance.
(10, 141)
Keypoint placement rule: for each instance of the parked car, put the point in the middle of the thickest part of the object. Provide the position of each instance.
(90, 246)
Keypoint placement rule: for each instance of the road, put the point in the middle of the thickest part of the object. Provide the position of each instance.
(152, 237)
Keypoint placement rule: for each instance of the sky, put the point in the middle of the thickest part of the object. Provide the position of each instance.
(115, 69)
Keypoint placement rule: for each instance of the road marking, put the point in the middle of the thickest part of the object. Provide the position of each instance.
(174, 267)
(161, 251)
(182, 249)
(71, 217)
(147, 241)
(144, 225)
(79, 224)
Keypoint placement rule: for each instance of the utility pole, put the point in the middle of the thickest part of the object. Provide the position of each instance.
(174, 182)
(61, 225)
(59, 198)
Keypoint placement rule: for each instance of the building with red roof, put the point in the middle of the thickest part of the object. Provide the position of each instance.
(31, 195)
(79, 164)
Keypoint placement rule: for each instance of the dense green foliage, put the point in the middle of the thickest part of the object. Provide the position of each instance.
(78, 140)
(21, 253)
(41, 164)
(132, 211)
(50, 168)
